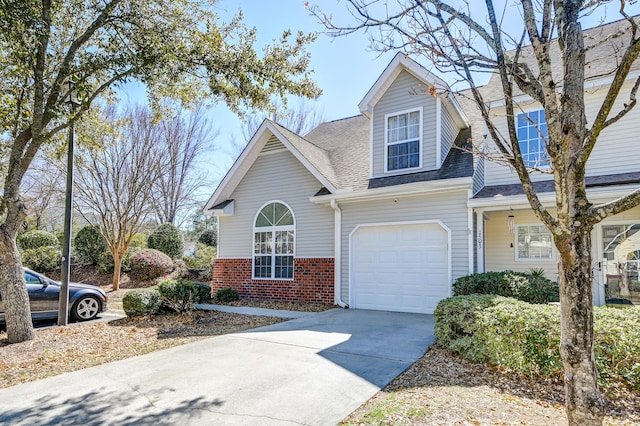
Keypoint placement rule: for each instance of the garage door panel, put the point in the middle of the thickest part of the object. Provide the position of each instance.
(400, 267)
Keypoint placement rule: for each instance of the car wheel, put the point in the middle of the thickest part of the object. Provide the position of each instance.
(86, 308)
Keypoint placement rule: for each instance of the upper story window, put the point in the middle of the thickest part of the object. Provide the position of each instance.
(532, 134)
(403, 140)
(273, 242)
(534, 242)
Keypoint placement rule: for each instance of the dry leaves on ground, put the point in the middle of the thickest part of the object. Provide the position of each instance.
(62, 349)
(442, 388)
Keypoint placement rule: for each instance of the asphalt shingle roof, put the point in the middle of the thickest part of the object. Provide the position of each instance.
(548, 185)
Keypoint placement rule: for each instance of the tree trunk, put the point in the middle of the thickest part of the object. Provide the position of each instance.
(584, 402)
(14, 291)
(117, 266)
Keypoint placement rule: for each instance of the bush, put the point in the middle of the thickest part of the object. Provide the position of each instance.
(167, 239)
(105, 261)
(139, 240)
(202, 257)
(149, 264)
(209, 238)
(37, 238)
(526, 337)
(141, 302)
(227, 295)
(42, 259)
(532, 287)
(89, 245)
(181, 295)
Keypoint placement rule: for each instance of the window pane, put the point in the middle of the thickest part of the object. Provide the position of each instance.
(284, 267)
(262, 267)
(534, 242)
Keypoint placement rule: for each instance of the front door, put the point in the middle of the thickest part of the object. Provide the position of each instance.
(621, 262)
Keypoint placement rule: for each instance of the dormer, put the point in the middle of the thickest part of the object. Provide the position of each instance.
(414, 119)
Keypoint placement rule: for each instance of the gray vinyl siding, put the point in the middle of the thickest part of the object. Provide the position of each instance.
(449, 208)
(396, 99)
(278, 176)
(615, 151)
(449, 133)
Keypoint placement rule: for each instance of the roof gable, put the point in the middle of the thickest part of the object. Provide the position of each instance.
(401, 62)
(313, 158)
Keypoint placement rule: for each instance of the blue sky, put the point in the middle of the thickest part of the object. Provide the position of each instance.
(344, 67)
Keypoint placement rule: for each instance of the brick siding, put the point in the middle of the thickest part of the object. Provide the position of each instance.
(312, 281)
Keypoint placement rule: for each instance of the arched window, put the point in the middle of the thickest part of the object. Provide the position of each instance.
(273, 242)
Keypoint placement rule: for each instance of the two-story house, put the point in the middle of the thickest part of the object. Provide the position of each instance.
(386, 209)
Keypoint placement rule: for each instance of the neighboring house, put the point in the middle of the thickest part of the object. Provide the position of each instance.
(385, 210)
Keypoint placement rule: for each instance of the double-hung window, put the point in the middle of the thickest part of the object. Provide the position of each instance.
(533, 242)
(403, 140)
(532, 134)
(273, 242)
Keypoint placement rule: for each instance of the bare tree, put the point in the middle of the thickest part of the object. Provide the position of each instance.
(43, 187)
(546, 62)
(183, 139)
(115, 178)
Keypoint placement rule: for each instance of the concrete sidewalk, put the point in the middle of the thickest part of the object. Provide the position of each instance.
(313, 370)
(248, 310)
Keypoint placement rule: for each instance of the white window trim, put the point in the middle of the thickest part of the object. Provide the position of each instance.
(527, 111)
(515, 245)
(386, 140)
(272, 229)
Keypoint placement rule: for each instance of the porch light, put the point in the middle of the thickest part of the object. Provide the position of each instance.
(512, 224)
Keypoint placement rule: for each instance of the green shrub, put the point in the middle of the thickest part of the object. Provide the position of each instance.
(37, 238)
(526, 337)
(149, 264)
(209, 238)
(202, 257)
(227, 295)
(181, 295)
(167, 239)
(141, 302)
(532, 287)
(139, 240)
(89, 245)
(42, 259)
(105, 261)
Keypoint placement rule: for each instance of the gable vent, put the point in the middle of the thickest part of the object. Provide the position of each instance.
(273, 144)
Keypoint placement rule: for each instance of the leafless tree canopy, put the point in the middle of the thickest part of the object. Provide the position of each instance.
(115, 179)
(182, 140)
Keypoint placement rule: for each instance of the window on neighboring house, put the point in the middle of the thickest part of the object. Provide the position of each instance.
(403, 140)
(273, 242)
(532, 133)
(533, 242)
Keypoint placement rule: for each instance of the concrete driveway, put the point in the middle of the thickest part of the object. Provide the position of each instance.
(313, 370)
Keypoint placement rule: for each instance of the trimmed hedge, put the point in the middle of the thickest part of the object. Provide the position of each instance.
(181, 295)
(532, 288)
(89, 245)
(42, 259)
(227, 295)
(141, 302)
(149, 264)
(167, 239)
(37, 238)
(526, 337)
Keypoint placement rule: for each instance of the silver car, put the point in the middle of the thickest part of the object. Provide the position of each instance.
(85, 301)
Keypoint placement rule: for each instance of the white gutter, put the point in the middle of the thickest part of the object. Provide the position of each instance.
(440, 185)
(601, 194)
(337, 259)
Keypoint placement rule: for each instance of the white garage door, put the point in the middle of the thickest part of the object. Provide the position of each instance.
(402, 267)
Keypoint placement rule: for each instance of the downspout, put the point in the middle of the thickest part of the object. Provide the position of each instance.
(337, 260)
